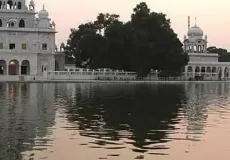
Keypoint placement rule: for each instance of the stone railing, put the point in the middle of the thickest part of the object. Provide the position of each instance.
(90, 75)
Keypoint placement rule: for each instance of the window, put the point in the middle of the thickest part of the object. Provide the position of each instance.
(43, 68)
(9, 4)
(12, 46)
(0, 23)
(21, 23)
(10, 24)
(19, 5)
(24, 46)
(44, 46)
(1, 46)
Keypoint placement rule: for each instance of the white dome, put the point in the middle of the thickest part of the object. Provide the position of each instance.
(32, 3)
(43, 13)
(195, 31)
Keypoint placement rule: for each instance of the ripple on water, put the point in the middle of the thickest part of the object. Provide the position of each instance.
(114, 121)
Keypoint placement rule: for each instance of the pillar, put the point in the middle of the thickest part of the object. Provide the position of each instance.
(229, 72)
(193, 70)
(4, 4)
(185, 74)
(186, 69)
(192, 49)
(222, 72)
(7, 68)
(19, 69)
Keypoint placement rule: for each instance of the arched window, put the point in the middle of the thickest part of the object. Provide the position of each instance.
(19, 5)
(213, 69)
(9, 4)
(199, 49)
(11, 24)
(21, 23)
(197, 69)
(0, 23)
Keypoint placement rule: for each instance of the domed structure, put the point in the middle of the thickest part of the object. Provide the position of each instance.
(32, 5)
(195, 42)
(43, 19)
(43, 13)
(195, 31)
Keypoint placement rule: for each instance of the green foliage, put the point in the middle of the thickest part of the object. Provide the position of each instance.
(213, 49)
(224, 55)
(146, 42)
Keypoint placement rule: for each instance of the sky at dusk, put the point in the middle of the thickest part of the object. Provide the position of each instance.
(212, 16)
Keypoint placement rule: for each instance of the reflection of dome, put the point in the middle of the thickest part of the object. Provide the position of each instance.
(43, 13)
(195, 31)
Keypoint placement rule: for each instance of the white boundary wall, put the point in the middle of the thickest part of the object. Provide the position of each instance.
(91, 75)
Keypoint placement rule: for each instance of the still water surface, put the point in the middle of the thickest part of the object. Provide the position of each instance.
(114, 121)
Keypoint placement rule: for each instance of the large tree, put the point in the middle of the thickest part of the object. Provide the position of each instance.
(145, 42)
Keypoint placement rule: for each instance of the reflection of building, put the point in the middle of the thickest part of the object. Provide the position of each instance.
(200, 98)
(27, 41)
(201, 63)
(26, 112)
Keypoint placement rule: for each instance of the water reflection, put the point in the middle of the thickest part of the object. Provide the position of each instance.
(26, 114)
(141, 115)
(167, 120)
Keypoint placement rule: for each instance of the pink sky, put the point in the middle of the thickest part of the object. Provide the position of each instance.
(212, 16)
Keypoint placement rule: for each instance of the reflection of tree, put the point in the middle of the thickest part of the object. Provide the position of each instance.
(26, 112)
(144, 110)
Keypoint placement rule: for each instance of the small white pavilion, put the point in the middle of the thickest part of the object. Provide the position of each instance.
(202, 65)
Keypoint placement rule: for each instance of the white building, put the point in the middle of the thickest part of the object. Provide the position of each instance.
(202, 65)
(27, 40)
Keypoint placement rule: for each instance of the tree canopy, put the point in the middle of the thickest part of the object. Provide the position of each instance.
(145, 42)
(224, 55)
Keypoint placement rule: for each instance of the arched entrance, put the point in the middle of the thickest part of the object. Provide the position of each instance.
(226, 72)
(56, 66)
(213, 69)
(197, 70)
(13, 67)
(189, 69)
(202, 71)
(25, 67)
(2, 67)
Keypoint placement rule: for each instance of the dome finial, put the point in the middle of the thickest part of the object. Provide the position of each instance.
(188, 22)
(43, 13)
(195, 21)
